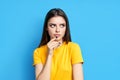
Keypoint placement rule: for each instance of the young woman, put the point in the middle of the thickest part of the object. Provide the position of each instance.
(57, 57)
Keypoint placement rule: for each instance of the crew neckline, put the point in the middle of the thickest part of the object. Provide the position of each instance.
(60, 46)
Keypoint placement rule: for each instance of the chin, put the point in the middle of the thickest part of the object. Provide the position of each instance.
(59, 39)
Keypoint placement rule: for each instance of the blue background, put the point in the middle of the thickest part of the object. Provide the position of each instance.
(95, 26)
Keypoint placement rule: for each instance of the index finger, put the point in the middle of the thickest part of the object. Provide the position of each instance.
(53, 39)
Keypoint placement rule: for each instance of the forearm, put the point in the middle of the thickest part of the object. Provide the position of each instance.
(45, 73)
(77, 72)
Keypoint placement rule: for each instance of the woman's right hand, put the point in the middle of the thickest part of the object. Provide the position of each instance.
(52, 44)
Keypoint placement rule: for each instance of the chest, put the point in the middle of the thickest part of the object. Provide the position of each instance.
(61, 61)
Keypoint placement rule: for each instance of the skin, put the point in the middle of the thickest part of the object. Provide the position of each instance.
(56, 28)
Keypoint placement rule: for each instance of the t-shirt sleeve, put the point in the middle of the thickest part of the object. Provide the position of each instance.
(36, 57)
(76, 54)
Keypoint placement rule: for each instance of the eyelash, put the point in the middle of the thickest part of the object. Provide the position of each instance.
(53, 25)
(62, 25)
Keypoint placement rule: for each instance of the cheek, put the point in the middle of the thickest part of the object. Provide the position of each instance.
(63, 31)
(50, 32)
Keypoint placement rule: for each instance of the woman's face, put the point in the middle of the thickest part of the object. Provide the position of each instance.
(56, 27)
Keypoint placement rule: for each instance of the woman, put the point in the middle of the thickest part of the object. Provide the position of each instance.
(57, 58)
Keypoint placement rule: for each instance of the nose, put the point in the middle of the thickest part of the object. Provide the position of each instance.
(57, 29)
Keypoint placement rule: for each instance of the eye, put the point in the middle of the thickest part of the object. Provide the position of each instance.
(62, 25)
(52, 25)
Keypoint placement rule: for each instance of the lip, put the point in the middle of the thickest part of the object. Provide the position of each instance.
(56, 35)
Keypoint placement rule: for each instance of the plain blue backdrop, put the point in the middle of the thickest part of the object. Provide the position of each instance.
(94, 24)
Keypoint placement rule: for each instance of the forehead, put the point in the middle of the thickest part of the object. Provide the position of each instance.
(56, 19)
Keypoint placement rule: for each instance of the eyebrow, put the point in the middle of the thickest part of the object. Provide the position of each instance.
(60, 23)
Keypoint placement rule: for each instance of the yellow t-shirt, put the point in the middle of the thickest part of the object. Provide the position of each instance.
(63, 58)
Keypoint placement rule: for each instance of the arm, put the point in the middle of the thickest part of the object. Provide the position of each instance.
(43, 73)
(77, 71)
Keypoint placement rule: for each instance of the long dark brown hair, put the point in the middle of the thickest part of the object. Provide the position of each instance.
(52, 13)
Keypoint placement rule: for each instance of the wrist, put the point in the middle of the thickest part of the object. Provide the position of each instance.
(50, 51)
(50, 56)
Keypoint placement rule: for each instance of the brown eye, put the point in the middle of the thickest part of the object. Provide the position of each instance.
(52, 25)
(62, 25)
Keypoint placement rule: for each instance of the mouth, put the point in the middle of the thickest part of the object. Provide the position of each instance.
(57, 35)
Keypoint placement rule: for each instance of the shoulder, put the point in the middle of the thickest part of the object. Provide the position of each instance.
(40, 49)
(73, 44)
